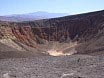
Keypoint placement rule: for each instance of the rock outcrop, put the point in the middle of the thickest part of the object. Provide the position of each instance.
(83, 25)
(80, 28)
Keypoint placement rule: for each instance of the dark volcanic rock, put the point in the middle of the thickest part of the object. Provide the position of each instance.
(81, 28)
(83, 25)
(80, 34)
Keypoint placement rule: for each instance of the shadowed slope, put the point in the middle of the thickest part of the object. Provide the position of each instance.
(85, 29)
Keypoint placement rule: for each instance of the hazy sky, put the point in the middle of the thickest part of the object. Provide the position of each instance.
(58, 6)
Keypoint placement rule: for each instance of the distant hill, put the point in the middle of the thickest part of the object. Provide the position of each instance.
(31, 16)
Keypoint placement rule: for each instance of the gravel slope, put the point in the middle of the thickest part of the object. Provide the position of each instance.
(74, 66)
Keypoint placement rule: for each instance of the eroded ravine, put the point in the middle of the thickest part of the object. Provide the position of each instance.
(40, 34)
